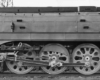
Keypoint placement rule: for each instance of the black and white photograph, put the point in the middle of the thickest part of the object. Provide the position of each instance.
(49, 39)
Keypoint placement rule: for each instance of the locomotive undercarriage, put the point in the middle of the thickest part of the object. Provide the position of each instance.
(51, 57)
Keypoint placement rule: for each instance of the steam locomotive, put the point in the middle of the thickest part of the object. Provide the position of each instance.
(53, 40)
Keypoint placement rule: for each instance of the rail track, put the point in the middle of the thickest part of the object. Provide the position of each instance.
(43, 76)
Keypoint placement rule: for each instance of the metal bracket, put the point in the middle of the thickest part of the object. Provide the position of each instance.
(13, 27)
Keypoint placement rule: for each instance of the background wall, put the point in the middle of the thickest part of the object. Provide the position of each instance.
(62, 3)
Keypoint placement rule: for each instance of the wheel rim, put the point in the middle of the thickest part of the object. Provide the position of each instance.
(57, 51)
(17, 67)
(88, 54)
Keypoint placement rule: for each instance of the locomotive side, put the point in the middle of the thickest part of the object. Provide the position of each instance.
(52, 39)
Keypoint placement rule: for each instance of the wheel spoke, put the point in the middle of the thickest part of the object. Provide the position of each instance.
(94, 63)
(95, 53)
(79, 52)
(87, 50)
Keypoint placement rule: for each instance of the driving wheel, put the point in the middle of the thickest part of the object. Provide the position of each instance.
(55, 55)
(89, 54)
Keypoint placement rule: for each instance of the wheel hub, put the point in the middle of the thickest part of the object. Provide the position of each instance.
(20, 64)
(54, 61)
(87, 58)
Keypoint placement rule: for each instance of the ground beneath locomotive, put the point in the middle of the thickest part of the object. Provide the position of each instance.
(48, 77)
